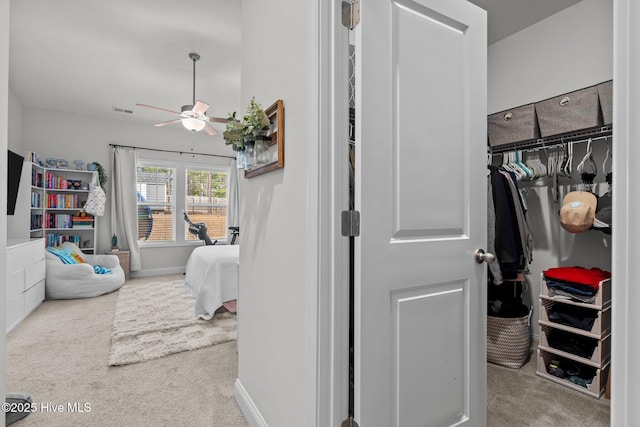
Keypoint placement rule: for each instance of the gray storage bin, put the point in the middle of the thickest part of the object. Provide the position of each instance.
(605, 94)
(570, 112)
(514, 125)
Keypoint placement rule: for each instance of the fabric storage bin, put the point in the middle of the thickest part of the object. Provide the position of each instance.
(605, 95)
(508, 340)
(570, 112)
(514, 125)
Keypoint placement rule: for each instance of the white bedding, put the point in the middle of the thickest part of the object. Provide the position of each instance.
(212, 277)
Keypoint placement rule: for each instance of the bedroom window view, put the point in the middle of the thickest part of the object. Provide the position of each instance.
(156, 203)
(206, 201)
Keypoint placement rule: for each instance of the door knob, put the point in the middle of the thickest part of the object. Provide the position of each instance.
(482, 256)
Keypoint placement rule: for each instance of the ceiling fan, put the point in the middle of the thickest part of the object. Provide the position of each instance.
(193, 117)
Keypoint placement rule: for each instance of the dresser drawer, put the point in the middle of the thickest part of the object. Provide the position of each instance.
(33, 297)
(15, 311)
(35, 274)
(15, 284)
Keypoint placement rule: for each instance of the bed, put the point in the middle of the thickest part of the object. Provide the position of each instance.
(212, 277)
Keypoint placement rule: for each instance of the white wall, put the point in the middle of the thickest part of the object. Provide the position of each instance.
(73, 136)
(567, 51)
(272, 332)
(4, 113)
(15, 123)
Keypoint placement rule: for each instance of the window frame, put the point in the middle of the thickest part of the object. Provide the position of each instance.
(180, 169)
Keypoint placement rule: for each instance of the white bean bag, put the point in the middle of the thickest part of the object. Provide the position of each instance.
(70, 281)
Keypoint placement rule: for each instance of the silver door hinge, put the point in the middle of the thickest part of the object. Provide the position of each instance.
(349, 422)
(350, 223)
(351, 13)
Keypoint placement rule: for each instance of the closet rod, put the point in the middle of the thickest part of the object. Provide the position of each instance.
(170, 151)
(594, 134)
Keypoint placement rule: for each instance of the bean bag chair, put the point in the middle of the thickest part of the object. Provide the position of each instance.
(73, 274)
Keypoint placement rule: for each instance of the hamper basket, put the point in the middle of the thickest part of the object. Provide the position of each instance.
(508, 340)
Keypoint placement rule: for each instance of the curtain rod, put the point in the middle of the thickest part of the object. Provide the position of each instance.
(170, 151)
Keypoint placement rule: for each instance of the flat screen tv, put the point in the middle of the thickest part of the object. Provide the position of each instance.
(14, 171)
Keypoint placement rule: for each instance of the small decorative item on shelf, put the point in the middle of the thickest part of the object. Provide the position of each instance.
(51, 162)
(91, 166)
(114, 243)
(79, 164)
(62, 164)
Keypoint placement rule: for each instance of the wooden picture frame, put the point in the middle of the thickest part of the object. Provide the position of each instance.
(275, 140)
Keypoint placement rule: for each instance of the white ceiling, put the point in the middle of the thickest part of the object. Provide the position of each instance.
(506, 17)
(89, 56)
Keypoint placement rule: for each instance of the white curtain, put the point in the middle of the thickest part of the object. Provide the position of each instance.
(124, 204)
(233, 217)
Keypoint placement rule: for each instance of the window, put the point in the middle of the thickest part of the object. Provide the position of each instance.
(206, 201)
(156, 203)
(164, 191)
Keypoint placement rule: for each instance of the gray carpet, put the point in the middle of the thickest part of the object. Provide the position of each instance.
(60, 355)
(520, 398)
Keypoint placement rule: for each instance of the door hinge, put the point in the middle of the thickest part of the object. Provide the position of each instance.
(350, 223)
(351, 13)
(349, 422)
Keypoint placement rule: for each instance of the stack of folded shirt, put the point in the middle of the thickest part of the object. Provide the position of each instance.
(576, 283)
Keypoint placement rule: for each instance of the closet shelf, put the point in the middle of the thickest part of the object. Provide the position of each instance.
(556, 140)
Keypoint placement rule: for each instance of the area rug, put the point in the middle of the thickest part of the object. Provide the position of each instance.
(155, 318)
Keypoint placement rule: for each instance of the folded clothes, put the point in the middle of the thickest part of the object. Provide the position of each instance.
(559, 293)
(572, 343)
(577, 317)
(590, 277)
(573, 288)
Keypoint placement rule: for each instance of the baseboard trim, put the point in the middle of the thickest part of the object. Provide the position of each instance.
(248, 408)
(157, 272)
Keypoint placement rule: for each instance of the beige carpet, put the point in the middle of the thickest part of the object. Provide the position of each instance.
(520, 398)
(155, 318)
(60, 353)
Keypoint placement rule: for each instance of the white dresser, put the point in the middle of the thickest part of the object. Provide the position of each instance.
(25, 278)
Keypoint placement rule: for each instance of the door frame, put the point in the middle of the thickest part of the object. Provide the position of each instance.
(327, 181)
(625, 350)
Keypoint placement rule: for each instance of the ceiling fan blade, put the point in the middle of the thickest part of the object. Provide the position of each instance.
(210, 130)
(158, 108)
(218, 120)
(170, 122)
(200, 107)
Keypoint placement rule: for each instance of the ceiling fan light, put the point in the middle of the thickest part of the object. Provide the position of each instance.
(193, 124)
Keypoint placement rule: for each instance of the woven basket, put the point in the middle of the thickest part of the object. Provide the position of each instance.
(508, 340)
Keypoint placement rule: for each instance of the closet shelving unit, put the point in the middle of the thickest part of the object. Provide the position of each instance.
(50, 199)
(600, 331)
(600, 132)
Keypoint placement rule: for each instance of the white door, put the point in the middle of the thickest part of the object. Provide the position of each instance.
(421, 186)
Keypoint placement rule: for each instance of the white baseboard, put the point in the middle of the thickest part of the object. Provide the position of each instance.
(157, 272)
(248, 408)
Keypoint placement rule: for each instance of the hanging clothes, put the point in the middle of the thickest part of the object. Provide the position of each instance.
(512, 241)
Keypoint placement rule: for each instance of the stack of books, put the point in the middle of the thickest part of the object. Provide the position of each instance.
(82, 221)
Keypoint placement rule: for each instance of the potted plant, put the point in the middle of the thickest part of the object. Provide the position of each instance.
(254, 122)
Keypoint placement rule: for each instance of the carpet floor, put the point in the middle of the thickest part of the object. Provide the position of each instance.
(155, 318)
(59, 355)
(520, 398)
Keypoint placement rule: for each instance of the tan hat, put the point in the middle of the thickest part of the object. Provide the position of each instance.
(578, 211)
